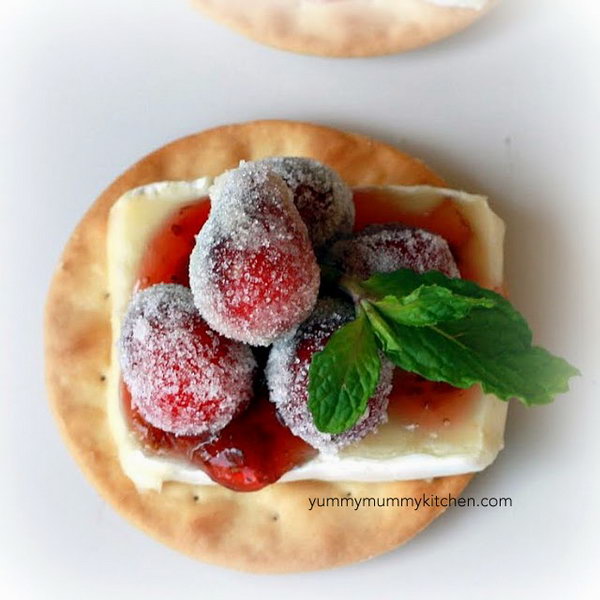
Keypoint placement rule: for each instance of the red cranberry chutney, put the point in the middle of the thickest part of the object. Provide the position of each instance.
(256, 449)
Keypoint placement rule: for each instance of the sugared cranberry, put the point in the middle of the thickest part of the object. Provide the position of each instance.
(385, 248)
(287, 377)
(322, 198)
(183, 377)
(253, 272)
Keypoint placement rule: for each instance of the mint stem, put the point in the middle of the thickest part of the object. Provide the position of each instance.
(351, 285)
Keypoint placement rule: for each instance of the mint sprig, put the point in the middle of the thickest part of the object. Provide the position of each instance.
(443, 329)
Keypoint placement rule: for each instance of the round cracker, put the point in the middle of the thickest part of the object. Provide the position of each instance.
(271, 530)
(343, 28)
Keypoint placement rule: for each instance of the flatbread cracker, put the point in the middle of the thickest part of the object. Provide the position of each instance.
(271, 530)
(342, 28)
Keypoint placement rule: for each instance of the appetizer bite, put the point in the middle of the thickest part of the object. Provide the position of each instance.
(287, 312)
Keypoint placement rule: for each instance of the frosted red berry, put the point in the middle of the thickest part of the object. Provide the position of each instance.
(386, 248)
(287, 378)
(322, 198)
(253, 271)
(183, 377)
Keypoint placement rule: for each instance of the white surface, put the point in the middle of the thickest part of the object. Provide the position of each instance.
(510, 108)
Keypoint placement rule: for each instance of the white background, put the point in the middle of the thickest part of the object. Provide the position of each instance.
(510, 108)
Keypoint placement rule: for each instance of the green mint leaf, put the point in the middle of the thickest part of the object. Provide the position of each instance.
(404, 281)
(428, 305)
(502, 329)
(343, 376)
(472, 350)
(547, 374)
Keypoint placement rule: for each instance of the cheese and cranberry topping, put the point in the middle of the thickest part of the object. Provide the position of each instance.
(216, 418)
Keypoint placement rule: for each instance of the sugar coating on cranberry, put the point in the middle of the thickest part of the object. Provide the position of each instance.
(287, 377)
(322, 198)
(183, 377)
(386, 248)
(253, 271)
